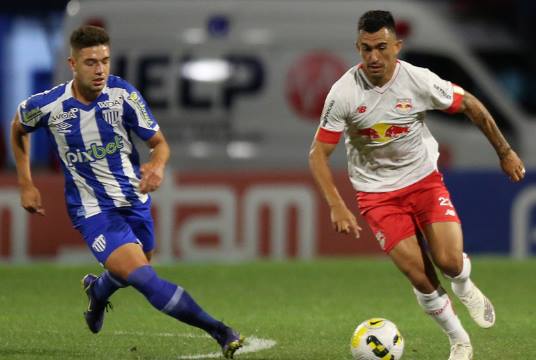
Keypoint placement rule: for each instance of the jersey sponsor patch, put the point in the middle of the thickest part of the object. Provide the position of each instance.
(111, 103)
(94, 152)
(138, 103)
(99, 244)
(329, 107)
(442, 92)
(65, 115)
(31, 116)
(381, 132)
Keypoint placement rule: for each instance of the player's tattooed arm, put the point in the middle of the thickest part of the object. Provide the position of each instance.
(511, 164)
(30, 197)
(153, 171)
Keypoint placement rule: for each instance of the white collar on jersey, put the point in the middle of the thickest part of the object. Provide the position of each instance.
(385, 86)
(69, 90)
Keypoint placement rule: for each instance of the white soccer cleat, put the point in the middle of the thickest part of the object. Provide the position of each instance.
(479, 307)
(461, 351)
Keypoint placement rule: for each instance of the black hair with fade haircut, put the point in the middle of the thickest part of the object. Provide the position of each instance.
(88, 36)
(374, 20)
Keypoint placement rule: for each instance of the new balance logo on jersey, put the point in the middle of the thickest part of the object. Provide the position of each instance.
(99, 244)
(94, 152)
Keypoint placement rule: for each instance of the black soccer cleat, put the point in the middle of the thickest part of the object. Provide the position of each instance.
(229, 340)
(95, 309)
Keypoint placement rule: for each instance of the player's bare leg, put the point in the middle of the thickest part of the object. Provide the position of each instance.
(413, 261)
(149, 255)
(445, 240)
(130, 263)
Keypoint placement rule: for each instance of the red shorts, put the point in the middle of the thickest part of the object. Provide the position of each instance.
(396, 215)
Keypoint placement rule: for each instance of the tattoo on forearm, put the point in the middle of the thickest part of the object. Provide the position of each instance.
(483, 119)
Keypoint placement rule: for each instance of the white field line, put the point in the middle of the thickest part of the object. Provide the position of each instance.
(252, 344)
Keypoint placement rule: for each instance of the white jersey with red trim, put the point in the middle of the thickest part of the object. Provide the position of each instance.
(388, 143)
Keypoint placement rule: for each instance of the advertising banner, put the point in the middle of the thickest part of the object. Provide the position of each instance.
(235, 216)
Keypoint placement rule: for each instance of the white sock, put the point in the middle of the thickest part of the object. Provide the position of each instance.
(461, 284)
(438, 305)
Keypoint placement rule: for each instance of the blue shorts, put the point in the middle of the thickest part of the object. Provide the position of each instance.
(110, 229)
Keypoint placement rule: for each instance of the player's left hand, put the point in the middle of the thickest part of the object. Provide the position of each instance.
(151, 177)
(513, 166)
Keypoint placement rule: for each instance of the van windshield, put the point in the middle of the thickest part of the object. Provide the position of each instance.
(516, 73)
(448, 69)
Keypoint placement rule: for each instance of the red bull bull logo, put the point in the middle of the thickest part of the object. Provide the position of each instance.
(403, 106)
(382, 132)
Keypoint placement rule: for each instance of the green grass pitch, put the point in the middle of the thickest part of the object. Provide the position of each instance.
(309, 309)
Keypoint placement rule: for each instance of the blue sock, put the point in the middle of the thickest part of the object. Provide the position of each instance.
(172, 300)
(106, 285)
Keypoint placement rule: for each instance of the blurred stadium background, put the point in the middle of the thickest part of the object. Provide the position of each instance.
(237, 87)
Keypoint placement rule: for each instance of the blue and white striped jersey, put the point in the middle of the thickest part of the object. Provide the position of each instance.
(98, 158)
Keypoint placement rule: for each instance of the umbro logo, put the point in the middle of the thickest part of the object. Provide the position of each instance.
(63, 128)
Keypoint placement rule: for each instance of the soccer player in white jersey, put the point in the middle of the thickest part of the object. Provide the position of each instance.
(380, 105)
(90, 120)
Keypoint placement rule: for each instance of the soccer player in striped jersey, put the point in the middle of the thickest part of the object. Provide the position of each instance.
(91, 120)
(380, 106)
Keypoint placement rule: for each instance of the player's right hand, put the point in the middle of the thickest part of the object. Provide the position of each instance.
(30, 199)
(344, 221)
(152, 176)
(513, 166)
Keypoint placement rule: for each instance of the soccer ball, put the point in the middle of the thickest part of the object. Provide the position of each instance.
(376, 339)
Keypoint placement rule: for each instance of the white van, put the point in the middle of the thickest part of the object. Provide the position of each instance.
(239, 84)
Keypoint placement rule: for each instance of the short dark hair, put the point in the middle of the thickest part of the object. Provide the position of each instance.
(374, 20)
(88, 36)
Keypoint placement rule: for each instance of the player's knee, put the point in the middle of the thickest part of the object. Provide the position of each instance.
(125, 259)
(450, 265)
